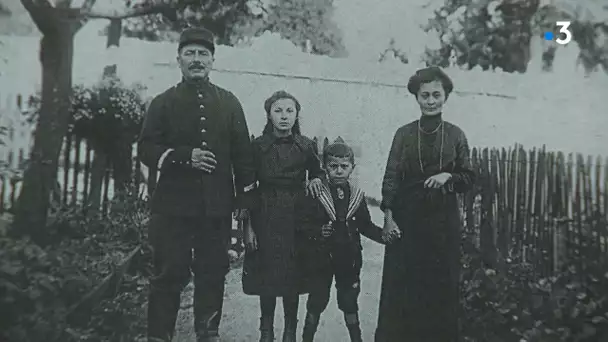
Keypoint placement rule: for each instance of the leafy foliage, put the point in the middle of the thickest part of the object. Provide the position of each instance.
(306, 23)
(518, 304)
(392, 52)
(223, 17)
(107, 114)
(39, 285)
(486, 33)
(589, 30)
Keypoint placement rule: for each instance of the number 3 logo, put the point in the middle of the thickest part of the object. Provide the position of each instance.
(564, 28)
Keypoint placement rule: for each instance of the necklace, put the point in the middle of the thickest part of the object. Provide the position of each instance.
(441, 125)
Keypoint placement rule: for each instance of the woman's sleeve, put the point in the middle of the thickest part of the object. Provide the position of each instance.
(463, 176)
(393, 172)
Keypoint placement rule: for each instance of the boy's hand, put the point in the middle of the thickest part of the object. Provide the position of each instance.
(326, 230)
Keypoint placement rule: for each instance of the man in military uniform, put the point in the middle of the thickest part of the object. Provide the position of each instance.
(196, 135)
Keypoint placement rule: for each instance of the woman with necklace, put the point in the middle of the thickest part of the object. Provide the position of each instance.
(428, 165)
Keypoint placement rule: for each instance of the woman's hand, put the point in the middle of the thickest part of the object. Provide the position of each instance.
(437, 181)
(390, 231)
(250, 239)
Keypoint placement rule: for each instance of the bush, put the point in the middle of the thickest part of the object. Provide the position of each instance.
(39, 285)
(107, 115)
(517, 304)
(486, 33)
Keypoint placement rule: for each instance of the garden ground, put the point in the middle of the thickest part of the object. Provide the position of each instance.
(241, 312)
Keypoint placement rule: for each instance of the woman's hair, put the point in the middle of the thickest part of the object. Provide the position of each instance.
(281, 94)
(427, 75)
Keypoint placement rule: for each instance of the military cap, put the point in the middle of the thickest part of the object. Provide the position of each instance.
(197, 35)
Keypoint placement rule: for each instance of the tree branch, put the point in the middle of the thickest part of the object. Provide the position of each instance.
(41, 12)
(155, 7)
(86, 6)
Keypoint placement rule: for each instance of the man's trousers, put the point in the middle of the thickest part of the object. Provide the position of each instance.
(182, 246)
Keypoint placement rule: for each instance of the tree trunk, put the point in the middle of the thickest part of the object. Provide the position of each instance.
(56, 53)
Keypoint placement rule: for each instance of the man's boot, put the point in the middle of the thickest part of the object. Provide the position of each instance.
(354, 329)
(310, 327)
(291, 329)
(267, 329)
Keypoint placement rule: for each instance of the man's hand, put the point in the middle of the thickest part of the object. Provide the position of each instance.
(203, 160)
(437, 181)
(326, 230)
(250, 239)
(314, 187)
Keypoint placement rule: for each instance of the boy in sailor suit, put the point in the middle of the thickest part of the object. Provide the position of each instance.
(329, 229)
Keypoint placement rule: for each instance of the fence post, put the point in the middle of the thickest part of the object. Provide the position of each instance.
(487, 238)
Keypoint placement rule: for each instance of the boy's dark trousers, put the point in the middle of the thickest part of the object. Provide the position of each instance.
(345, 266)
(173, 238)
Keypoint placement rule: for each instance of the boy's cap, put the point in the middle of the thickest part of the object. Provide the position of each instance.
(338, 149)
(197, 35)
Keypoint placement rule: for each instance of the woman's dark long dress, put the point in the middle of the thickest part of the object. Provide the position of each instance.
(420, 282)
(281, 165)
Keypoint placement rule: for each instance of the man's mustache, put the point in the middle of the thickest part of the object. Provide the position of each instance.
(196, 66)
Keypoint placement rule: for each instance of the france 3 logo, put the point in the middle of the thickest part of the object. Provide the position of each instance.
(563, 36)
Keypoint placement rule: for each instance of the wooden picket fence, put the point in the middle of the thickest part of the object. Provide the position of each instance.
(545, 208)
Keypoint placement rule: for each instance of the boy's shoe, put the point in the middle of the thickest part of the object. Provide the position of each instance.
(310, 327)
(267, 329)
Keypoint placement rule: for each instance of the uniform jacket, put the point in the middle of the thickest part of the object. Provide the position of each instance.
(185, 117)
(312, 214)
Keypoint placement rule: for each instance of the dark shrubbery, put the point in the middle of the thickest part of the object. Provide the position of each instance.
(517, 304)
(39, 285)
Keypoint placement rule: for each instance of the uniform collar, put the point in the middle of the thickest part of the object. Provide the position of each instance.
(201, 85)
(269, 139)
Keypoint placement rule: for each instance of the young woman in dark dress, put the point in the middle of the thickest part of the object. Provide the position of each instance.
(428, 165)
(283, 156)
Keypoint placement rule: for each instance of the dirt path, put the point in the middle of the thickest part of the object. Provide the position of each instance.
(241, 312)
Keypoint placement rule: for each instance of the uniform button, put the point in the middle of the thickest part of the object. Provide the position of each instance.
(202, 106)
(203, 118)
(203, 144)
(200, 96)
(203, 130)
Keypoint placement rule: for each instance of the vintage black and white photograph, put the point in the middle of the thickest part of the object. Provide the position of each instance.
(303, 170)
